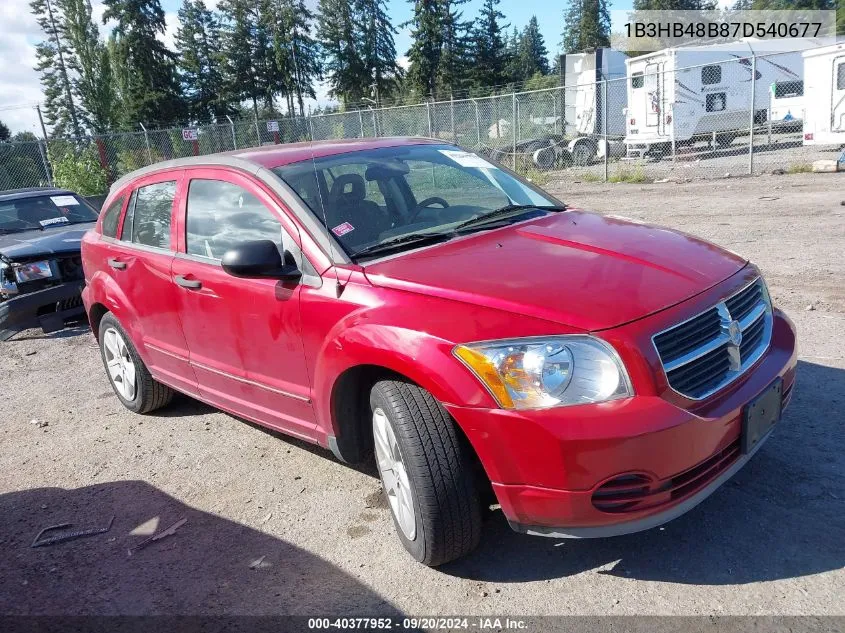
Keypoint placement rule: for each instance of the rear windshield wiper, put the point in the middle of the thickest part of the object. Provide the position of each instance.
(397, 243)
(501, 213)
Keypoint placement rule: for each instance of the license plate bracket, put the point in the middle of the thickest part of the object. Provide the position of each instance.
(760, 415)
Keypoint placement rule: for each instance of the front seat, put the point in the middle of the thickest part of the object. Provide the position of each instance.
(347, 203)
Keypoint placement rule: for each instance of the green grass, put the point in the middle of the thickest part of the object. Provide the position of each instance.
(635, 175)
(799, 168)
(591, 177)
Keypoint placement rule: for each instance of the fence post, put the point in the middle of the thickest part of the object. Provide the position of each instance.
(513, 127)
(147, 143)
(477, 123)
(753, 113)
(257, 129)
(361, 122)
(311, 128)
(604, 126)
(428, 116)
(375, 124)
(45, 148)
(452, 117)
(234, 136)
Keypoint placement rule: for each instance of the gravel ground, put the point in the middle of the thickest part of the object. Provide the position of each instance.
(275, 526)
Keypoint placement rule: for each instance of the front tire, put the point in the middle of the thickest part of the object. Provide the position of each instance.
(131, 380)
(426, 473)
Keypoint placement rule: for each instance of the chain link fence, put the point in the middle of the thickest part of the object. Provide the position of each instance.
(726, 117)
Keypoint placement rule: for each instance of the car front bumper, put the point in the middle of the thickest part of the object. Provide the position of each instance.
(47, 309)
(546, 465)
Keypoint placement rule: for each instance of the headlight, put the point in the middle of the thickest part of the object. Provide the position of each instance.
(537, 373)
(33, 271)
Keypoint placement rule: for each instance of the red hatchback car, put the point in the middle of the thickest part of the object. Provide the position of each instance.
(411, 299)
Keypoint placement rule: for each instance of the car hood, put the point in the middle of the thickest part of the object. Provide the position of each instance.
(51, 241)
(581, 269)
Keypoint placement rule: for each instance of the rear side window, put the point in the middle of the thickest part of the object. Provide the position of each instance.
(222, 215)
(152, 214)
(111, 216)
(637, 81)
(840, 76)
(715, 102)
(711, 75)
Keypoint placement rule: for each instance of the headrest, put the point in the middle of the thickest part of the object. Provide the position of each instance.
(348, 188)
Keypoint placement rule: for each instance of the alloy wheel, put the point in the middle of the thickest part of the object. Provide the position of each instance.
(120, 365)
(394, 475)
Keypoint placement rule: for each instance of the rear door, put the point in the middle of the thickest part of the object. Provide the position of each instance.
(139, 260)
(837, 123)
(244, 335)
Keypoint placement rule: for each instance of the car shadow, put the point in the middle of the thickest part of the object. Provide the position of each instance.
(782, 516)
(210, 566)
(74, 329)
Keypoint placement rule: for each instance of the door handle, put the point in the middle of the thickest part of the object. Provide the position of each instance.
(193, 284)
(117, 264)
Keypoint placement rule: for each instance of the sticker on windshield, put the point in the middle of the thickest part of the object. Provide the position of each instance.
(65, 201)
(59, 220)
(343, 229)
(467, 159)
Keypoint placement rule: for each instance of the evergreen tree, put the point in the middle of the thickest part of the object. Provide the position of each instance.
(93, 81)
(240, 79)
(343, 64)
(426, 46)
(377, 48)
(513, 69)
(54, 63)
(307, 67)
(199, 61)
(152, 91)
(453, 69)
(587, 25)
(531, 51)
(489, 55)
(5, 133)
(675, 5)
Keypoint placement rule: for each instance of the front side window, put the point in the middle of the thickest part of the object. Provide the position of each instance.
(637, 81)
(152, 214)
(840, 76)
(44, 212)
(111, 216)
(222, 215)
(786, 89)
(711, 75)
(366, 198)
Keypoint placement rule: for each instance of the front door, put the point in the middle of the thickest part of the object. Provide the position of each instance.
(139, 259)
(837, 123)
(243, 335)
(652, 94)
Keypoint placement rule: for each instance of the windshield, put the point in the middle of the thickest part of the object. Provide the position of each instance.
(43, 212)
(380, 195)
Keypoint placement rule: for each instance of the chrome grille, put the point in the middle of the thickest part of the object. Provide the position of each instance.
(712, 349)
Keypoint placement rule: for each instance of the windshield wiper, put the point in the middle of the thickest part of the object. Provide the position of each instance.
(501, 213)
(404, 240)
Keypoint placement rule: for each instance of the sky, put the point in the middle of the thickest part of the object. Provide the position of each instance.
(20, 89)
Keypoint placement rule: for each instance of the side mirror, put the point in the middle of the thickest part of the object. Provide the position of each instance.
(259, 259)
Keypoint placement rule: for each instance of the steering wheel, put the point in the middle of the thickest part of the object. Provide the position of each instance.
(427, 203)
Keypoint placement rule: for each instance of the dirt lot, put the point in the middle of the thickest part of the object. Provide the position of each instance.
(276, 527)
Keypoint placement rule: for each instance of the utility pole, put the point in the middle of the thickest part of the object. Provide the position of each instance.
(41, 149)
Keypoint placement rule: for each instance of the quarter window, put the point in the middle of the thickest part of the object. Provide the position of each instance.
(711, 75)
(222, 215)
(637, 81)
(152, 214)
(840, 76)
(111, 217)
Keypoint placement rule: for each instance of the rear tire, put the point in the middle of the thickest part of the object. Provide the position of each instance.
(131, 380)
(428, 468)
(583, 153)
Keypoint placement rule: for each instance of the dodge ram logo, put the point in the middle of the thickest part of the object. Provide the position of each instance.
(735, 333)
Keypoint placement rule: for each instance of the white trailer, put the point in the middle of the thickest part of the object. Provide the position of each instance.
(684, 94)
(786, 104)
(588, 118)
(824, 82)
